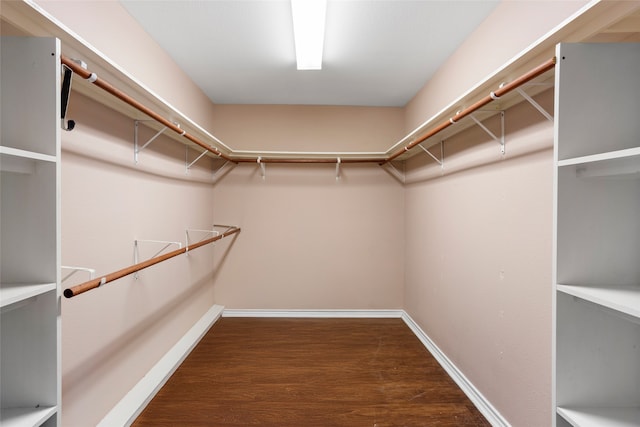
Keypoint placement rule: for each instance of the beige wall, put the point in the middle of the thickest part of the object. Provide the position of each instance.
(107, 26)
(311, 242)
(113, 335)
(478, 260)
(308, 128)
(512, 27)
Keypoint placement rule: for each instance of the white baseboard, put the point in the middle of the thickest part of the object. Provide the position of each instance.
(128, 409)
(363, 314)
(484, 406)
(132, 404)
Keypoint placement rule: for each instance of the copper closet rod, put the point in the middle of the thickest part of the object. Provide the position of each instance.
(93, 78)
(94, 283)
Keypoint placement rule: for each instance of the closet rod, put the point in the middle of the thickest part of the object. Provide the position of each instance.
(332, 160)
(92, 284)
(93, 78)
(540, 69)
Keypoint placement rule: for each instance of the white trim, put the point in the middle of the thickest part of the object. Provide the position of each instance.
(484, 406)
(127, 410)
(362, 314)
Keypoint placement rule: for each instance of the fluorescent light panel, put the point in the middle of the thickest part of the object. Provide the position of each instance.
(309, 17)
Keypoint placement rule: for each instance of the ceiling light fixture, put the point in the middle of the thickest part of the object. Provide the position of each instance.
(309, 17)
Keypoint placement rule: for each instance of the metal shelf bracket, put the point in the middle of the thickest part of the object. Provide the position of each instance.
(136, 256)
(535, 104)
(393, 171)
(338, 161)
(188, 165)
(213, 232)
(74, 270)
(222, 170)
(499, 140)
(263, 169)
(136, 145)
(440, 161)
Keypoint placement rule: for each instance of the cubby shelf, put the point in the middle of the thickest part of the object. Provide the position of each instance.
(20, 417)
(20, 161)
(11, 293)
(621, 163)
(597, 236)
(30, 388)
(625, 299)
(601, 416)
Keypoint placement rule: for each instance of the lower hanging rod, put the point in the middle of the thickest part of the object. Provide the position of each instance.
(95, 283)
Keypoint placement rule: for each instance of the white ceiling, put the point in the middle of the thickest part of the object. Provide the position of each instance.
(376, 53)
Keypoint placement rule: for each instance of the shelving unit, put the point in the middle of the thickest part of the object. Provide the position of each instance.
(597, 235)
(30, 228)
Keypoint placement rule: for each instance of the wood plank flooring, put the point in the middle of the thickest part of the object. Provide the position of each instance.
(310, 372)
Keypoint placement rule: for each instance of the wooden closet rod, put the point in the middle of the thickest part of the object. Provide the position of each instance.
(309, 160)
(94, 283)
(93, 78)
(540, 69)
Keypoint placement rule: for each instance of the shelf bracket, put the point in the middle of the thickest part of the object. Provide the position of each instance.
(499, 140)
(212, 232)
(440, 161)
(391, 169)
(535, 104)
(188, 166)
(74, 270)
(263, 170)
(136, 256)
(136, 145)
(222, 170)
(338, 161)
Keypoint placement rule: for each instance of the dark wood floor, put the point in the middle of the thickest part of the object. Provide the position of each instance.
(310, 372)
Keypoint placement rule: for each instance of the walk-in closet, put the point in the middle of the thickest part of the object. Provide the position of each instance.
(197, 230)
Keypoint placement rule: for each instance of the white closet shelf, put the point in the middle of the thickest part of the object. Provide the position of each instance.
(610, 156)
(624, 299)
(11, 293)
(23, 417)
(21, 161)
(601, 416)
